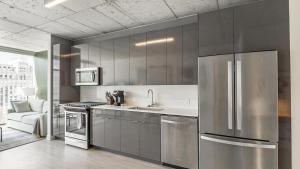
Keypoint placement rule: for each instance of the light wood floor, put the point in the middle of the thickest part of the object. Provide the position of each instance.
(55, 155)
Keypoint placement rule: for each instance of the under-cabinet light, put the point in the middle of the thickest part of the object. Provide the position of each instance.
(49, 4)
(155, 41)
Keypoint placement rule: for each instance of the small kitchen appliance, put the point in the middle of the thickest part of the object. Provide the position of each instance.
(119, 97)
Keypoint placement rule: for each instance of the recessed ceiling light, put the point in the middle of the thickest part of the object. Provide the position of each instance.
(52, 3)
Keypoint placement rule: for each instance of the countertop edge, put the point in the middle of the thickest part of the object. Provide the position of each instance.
(167, 111)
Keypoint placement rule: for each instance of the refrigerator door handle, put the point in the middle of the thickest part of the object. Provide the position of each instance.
(229, 93)
(239, 99)
(240, 144)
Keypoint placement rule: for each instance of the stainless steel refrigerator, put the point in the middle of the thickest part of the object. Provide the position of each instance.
(238, 102)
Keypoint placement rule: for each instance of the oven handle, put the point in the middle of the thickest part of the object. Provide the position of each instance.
(79, 108)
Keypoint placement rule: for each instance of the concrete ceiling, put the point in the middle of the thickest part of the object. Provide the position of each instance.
(23, 20)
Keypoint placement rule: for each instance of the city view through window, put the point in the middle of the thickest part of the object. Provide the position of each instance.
(16, 72)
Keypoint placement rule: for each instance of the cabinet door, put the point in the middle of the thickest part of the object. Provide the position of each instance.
(130, 137)
(190, 54)
(94, 54)
(121, 53)
(138, 74)
(83, 50)
(97, 128)
(150, 141)
(216, 32)
(174, 56)
(112, 134)
(75, 63)
(266, 29)
(107, 62)
(156, 58)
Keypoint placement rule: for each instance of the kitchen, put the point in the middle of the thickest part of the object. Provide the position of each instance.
(160, 62)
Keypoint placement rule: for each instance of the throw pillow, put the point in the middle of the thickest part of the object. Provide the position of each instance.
(36, 105)
(12, 105)
(21, 107)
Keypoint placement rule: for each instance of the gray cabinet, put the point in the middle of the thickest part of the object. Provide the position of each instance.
(97, 128)
(75, 63)
(112, 132)
(130, 132)
(174, 56)
(94, 54)
(83, 50)
(266, 29)
(107, 62)
(138, 71)
(121, 54)
(216, 32)
(156, 58)
(150, 147)
(190, 54)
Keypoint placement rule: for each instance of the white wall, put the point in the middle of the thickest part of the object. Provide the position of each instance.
(179, 96)
(295, 80)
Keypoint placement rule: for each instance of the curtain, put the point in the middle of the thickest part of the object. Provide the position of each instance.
(40, 69)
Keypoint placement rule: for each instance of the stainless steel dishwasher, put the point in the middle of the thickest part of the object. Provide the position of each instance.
(179, 141)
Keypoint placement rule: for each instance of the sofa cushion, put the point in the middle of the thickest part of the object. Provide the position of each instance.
(32, 118)
(21, 107)
(36, 105)
(19, 116)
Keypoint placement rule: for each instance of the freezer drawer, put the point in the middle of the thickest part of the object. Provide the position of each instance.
(179, 141)
(229, 153)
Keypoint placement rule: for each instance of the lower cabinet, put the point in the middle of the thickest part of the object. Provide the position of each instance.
(97, 128)
(130, 137)
(134, 133)
(150, 141)
(112, 129)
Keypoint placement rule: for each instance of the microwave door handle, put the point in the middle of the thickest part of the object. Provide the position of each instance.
(94, 76)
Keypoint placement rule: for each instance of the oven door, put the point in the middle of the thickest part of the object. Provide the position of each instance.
(87, 76)
(76, 125)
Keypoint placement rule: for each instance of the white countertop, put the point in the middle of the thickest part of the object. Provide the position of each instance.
(166, 111)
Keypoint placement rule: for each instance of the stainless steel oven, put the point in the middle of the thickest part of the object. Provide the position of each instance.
(77, 119)
(87, 76)
(76, 127)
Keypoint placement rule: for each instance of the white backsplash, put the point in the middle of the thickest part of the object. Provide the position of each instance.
(173, 96)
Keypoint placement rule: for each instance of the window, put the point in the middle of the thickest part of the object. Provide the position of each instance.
(17, 71)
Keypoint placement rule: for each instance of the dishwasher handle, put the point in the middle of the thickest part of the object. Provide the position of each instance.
(176, 122)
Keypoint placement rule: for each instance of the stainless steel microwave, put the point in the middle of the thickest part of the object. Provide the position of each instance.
(87, 76)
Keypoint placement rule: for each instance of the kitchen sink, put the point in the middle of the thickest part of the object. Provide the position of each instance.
(147, 108)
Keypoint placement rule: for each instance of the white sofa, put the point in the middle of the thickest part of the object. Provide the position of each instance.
(33, 121)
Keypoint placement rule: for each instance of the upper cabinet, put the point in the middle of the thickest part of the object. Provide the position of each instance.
(163, 57)
(83, 50)
(174, 56)
(262, 26)
(107, 62)
(121, 53)
(216, 32)
(138, 71)
(94, 54)
(190, 54)
(156, 58)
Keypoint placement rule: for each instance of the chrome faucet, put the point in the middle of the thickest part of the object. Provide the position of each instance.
(152, 102)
